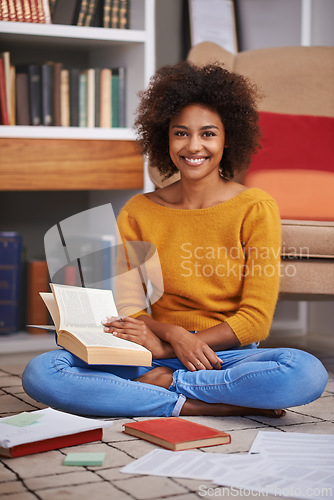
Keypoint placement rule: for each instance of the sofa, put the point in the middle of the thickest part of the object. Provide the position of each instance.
(296, 161)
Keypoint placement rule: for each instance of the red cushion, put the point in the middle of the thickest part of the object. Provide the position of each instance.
(295, 142)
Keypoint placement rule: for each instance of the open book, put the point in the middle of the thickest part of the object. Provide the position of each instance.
(77, 314)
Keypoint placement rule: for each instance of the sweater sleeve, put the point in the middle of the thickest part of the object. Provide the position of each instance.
(130, 290)
(261, 239)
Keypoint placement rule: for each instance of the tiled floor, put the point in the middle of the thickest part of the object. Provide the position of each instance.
(43, 476)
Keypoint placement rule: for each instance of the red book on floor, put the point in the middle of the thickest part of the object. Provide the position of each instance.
(34, 432)
(176, 433)
(52, 444)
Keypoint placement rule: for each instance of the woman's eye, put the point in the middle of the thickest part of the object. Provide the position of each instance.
(209, 134)
(180, 133)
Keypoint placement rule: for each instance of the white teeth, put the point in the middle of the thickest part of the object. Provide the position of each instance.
(195, 161)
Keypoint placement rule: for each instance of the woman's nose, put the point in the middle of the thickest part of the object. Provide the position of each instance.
(195, 143)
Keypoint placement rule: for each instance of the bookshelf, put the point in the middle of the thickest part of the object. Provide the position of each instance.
(79, 151)
(48, 173)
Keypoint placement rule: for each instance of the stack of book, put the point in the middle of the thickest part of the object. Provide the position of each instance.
(49, 94)
(101, 13)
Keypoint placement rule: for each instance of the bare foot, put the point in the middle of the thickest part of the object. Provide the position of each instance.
(197, 407)
(161, 376)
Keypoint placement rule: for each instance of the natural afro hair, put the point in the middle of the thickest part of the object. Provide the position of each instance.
(174, 87)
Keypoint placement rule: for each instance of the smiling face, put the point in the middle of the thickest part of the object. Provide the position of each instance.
(196, 142)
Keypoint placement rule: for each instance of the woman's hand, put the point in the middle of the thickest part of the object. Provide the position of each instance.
(137, 331)
(193, 352)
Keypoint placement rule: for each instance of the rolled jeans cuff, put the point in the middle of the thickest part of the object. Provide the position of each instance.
(178, 406)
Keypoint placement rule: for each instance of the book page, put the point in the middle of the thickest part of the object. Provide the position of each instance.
(51, 304)
(83, 307)
(103, 339)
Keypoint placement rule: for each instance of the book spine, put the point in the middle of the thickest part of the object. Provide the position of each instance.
(83, 99)
(115, 14)
(105, 98)
(83, 13)
(56, 443)
(65, 98)
(97, 96)
(37, 281)
(47, 94)
(10, 281)
(74, 97)
(26, 11)
(47, 12)
(5, 56)
(40, 11)
(19, 11)
(56, 74)
(107, 14)
(35, 95)
(124, 14)
(12, 78)
(91, 11)
(4, 11)
(33, 10)
(3, 97)
(22, 99)
(122, 103)
(91, 97)
(11, 10)
(115, 98)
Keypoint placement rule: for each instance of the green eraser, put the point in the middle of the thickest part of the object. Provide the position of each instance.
(84, 459)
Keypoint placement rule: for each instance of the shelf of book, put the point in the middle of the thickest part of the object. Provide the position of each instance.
(73, 164)
(84, 133)
(30, 32)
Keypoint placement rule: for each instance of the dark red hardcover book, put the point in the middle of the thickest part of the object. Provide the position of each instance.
(176, 433)
(52, 444)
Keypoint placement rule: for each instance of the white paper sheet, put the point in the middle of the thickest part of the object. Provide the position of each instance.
(188, 464)
(293, 465)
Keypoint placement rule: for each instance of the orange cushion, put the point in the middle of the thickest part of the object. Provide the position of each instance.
(303, 195)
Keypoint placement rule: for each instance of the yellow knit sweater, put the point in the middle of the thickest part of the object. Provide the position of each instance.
(219, 263)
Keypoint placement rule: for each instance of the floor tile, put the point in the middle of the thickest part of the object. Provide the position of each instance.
(41, 464)
(96, 491)
(6, 474)
(13, 404)
(147, 487)
(322, 408)
(11, 488)
(9, 380)
(66, 479)
(319, 428)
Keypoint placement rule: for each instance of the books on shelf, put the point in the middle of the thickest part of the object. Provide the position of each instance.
(77, 314)
(176, 433)
(10, 281)
(44, 430)
(49, 94)
(100, 13)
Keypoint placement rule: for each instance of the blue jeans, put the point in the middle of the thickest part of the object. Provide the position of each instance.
(252, 377)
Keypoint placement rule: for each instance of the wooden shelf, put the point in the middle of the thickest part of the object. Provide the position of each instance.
(69, 164)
